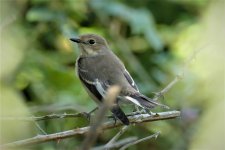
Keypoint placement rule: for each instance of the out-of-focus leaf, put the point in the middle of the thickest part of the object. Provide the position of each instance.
(12, 105)
(140, 20)
(138, 44)
(11, 54)
(209, 128)
(41, 14)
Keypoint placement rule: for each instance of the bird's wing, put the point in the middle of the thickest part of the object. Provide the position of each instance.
(138, 98)
(143, 101)
(130, 80)
(95, 87)
(98, 90)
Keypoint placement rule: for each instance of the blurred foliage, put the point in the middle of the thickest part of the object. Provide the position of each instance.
(153, 38)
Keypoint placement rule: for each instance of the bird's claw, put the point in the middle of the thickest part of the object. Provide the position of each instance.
(147, 111)
(138, 111)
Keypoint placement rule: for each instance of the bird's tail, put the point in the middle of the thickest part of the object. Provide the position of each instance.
(118, 113)
(144, 101)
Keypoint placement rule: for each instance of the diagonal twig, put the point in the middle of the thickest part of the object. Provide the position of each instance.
(39, 127)
(113, 140)
(179, 76)
(140, 140)
(116, 144)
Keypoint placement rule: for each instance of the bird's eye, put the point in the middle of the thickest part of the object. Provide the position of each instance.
(91, 41)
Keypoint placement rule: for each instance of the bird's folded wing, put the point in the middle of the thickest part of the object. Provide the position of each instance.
(143, 101)
(94, 85)
(98, 89)
(130, 80)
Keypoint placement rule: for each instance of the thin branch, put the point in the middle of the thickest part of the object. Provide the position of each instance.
(178, 76)
(168, 87)
(139, 118)
(116, 144)
(47, 117)
(56, 116)
(113, 140)
(141, 140)
(111, 95)
(39, 127)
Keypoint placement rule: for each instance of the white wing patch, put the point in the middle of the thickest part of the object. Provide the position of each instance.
(133, 100)
(100, 88)
(133, 83)
(130, 80)
(89, 82)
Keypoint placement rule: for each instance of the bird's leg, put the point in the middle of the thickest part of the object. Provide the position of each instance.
(137, 110)
(115, 119)
(147, 111)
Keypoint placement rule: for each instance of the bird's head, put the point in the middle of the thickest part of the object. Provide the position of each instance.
(91, 44)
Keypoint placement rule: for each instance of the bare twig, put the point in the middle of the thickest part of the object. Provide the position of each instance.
(141, 140)
(39, 127)
(179, 76)
(47, 117)
(116, 144)
(139, 118)
(96, 127)
(56, 116)
(167, 88)
(113, 140)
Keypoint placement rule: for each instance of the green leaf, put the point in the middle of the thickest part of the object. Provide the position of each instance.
(40, 14)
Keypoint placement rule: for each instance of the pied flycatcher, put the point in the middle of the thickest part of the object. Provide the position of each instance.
(99, 68)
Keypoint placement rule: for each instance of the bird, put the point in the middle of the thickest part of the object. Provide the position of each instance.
(99, 68)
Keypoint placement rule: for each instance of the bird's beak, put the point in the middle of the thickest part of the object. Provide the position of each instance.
(77, 40)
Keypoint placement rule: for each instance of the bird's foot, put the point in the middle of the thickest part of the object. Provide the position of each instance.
(147, 111)
(114, 119)
(137, 110)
